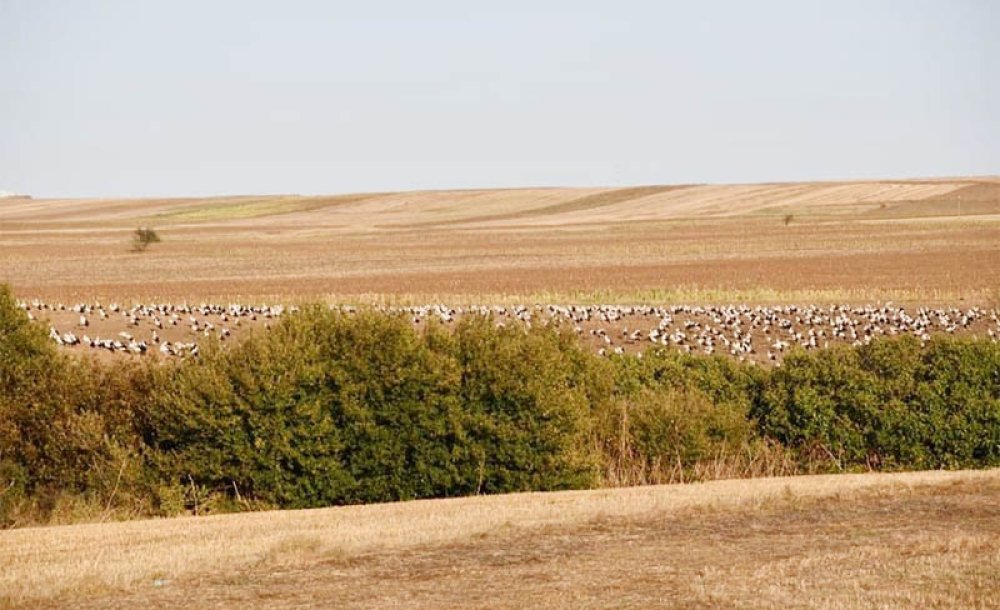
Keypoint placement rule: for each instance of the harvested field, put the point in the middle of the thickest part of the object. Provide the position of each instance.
(921, 242)
(929, 539)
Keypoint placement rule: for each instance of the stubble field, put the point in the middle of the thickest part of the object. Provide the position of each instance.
(917, 242)
(928, 540)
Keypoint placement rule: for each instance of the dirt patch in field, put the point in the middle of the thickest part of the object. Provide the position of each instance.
(579, 204)
(972, 200)
(909, 276)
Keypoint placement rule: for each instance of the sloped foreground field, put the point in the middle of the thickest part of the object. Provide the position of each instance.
(914, 540)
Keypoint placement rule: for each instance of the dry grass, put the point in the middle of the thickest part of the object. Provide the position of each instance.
(928, 539)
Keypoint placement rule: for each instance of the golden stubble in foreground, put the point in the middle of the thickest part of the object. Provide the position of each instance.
(928, 539)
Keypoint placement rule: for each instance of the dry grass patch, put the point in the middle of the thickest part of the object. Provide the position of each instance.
(905, 540)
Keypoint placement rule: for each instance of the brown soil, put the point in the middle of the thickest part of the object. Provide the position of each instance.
(931, 261)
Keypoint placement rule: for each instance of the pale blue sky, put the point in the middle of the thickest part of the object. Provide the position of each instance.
(116, 98)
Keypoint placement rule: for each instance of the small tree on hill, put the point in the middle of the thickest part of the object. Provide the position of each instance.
(142, 237)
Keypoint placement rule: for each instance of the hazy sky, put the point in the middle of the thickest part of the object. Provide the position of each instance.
(199, 97)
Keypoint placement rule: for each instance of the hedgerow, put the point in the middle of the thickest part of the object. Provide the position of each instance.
(889, 404)
(327, 408)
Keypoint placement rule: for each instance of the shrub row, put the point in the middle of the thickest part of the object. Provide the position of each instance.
(331, 409)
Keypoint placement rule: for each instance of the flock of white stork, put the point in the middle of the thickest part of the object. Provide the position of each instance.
(159, 318)
(747, 333)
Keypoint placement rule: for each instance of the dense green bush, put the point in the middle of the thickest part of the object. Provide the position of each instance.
(327, 408)
(662, 436)
(673, 412)
(959, 390)
(322, 409)
(66, 430)
(526, 398)
(890, 404)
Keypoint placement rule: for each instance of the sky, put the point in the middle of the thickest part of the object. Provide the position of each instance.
(197, 97)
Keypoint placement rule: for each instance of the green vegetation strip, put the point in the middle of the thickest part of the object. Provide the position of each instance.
(327, 408)
(249, 208)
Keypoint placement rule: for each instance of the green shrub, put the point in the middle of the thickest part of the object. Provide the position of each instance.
(329, 409)
(525, 395)
(958, 390)
(890, 404)
(65, 425)
(658, 436)
(395, 402)
(143, 237)
(722, 379)
(673, 414)
(253, 420)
